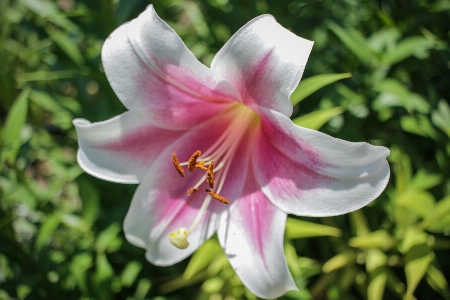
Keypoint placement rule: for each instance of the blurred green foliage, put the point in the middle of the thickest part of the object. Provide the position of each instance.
(60, 229)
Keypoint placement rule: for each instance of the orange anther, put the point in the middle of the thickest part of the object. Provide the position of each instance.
(192, 190)
(210, 175)
(201, 165)
(218, 197)
(177, 165)
(193, 160)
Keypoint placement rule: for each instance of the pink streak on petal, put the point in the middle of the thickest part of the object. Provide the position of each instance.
(171, 107)
(289, 167)
(142, 144)
(257, 83)
(256, 213)
(190, 84)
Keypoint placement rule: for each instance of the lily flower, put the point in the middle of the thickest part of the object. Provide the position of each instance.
(227, 131)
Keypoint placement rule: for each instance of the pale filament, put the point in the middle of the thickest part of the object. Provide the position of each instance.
(222, 151)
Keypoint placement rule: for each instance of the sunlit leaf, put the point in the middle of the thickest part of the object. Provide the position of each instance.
(301, 229)
(316, 119)
(309, 85)
(375, 259)
(377, 239)
(202, 258)
(376, 287)
(338, 261)
(213, 285)
(418, 260)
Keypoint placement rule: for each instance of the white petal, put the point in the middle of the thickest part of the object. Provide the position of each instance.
(150, 68)
(265, 62)
(121, 149)
(252, 238)
(308, 173)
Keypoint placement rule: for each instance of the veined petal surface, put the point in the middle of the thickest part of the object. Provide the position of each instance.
(123, 148)
(265, 62)
(150, 68)
(252, 238)
(308, 173)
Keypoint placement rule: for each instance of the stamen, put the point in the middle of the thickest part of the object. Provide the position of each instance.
(192, 191)
(201, 165)
(177, 165)
(210, 175)
(218, 197)
(193, 160)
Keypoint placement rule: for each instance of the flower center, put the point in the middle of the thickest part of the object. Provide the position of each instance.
(222, 150)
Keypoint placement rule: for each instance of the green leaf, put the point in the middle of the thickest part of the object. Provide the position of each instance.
(441, 117)
(202, 258)
(46, 230)
(46, 101)
(375, 290)
(415, 45)
(316, 119)
(48, 75)
(78, 267)
(90, 199)
(438, 278)
(301, 229)
(394, 93)
(354, 41)
(213, 285)
(104, 269)
(424, 180)
(68, 45)
(419, 202)
(15, 121)
(418, 260)
(309, 85)
(375, 259)
(142, 289)
(419, 125)
(130, 273)
(106, 237)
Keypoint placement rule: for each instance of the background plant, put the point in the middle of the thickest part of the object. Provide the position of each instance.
(60, 229)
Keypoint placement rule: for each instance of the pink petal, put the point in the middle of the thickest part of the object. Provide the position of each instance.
(150, 69)
(161, 205)
(123, 148)
(252, 238)
(265, 62)
(308, 173)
